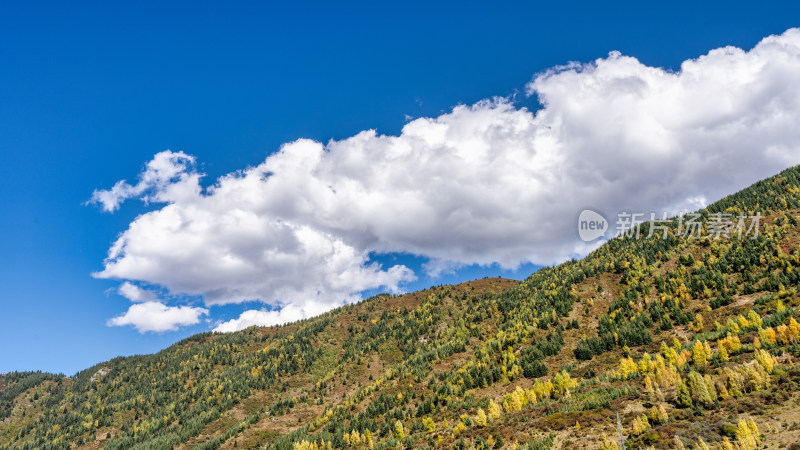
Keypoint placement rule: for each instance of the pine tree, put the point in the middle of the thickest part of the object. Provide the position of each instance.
(698, 389)
(683, 397)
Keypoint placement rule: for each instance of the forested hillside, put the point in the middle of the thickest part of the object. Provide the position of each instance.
(666, 341)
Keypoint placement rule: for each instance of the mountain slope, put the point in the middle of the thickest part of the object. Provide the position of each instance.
(655, 342)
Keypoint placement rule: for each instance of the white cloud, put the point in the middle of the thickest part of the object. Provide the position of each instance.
(163, 180)
(154, 316)
(136, 294)
(289, 313)
(487, 183)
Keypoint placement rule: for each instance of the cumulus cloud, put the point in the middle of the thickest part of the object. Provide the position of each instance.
(136, 294)
(289, 313)
(154, 316)
(220, 247)
(163, 180)
(482, 184)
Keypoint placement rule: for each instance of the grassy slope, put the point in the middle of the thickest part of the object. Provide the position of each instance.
(437, 358)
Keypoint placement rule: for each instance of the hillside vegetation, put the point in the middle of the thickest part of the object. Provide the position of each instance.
(671, 342)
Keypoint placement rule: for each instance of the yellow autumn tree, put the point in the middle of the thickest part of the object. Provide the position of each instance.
(608, 444)
(784, 334)
(699, 355)
(754, 319)
(494, 410)
(480, 418)
(429, 424)
(701, 445)
(627, 367)
(368, 439)
(698, 322)
(723, 354)
(355, 438)
(742, 322)
(765, 359)
(399, 432)
(794, 330)
(768, 336)
(562, 383)
(648, 386)
(676, 345)
(658, 414)
(726, 444)
(745, 437)
(733, 327)
(640, 425)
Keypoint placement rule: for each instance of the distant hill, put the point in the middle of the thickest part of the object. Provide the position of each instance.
(673, 342)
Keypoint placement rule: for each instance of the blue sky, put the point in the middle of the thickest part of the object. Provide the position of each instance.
(90, 91)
